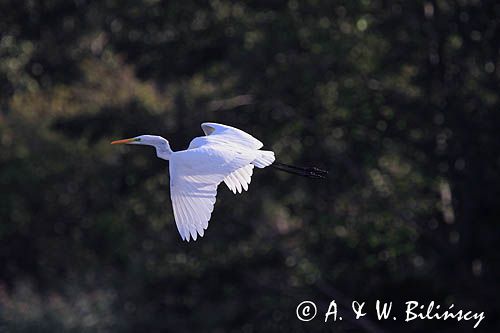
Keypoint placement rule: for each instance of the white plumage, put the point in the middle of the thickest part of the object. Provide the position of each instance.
(224, 154)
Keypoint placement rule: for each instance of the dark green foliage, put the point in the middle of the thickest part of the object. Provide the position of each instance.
(398, 100)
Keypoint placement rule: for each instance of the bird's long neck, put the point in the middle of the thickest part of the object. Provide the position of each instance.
(163, 151)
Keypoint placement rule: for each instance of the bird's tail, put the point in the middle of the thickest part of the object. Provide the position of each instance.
(310, 172)
(266, 158)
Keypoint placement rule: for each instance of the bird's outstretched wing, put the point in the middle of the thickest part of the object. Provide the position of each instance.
(231, 134)
(194, 177)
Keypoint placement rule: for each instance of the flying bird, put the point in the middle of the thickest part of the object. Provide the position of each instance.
(225, 154)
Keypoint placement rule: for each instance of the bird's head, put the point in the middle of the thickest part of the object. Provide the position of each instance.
(161, 144)
(149, 140)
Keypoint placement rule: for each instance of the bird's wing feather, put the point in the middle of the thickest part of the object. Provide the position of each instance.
(239, 179)
(231, 134)
(194, 177)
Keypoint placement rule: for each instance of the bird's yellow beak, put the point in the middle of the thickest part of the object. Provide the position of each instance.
(124, 141)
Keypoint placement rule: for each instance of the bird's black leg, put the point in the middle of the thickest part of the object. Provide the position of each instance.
(311, 172)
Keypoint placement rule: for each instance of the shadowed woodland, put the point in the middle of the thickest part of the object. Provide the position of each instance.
(399, 100)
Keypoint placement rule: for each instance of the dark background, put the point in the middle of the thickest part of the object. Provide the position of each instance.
(397, 99)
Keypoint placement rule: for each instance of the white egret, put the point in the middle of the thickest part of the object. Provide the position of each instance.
(224, 154)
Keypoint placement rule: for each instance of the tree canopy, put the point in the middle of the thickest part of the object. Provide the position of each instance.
(399, 100)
